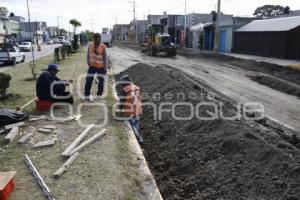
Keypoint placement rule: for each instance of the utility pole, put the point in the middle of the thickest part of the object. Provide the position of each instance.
(134, 21)
(217, 28)
(58, 25)
(184, 23)
(30, 35)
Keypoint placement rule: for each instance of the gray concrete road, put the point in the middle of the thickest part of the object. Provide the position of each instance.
(46, 50)
(230, 81)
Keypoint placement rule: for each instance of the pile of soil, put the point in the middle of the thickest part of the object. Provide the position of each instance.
(280, 85)
(216, 159)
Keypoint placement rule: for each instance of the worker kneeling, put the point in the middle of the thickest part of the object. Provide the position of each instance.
(48, 81)
(131, 105)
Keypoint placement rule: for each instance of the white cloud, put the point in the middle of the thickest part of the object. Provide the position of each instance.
(103, 13)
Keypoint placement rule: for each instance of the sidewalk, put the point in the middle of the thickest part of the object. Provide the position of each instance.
(282, 62)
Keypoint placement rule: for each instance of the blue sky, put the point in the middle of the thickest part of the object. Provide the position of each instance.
(96, 14)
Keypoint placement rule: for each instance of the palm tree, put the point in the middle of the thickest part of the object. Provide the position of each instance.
(75, 23)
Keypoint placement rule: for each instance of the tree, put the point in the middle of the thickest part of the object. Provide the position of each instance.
(287, 10)
(267, 11)
(75, 23)
(3, 12)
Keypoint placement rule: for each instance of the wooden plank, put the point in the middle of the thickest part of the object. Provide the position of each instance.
(12, 134)
(5, 177)
(88, 142)
(25, 138)
(65, 166)
(45, 143)
(38, 179)
(76, 142)
(38, 118)
(7, 127)
(43, 130)
(52, 127)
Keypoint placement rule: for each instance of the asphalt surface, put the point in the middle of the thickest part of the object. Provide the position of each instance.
(46, 50)
(230, 81)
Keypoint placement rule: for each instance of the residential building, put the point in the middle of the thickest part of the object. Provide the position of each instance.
(138, 27)
(120, 32)
(8, 29)
(169, 22)
(35, 31)
(277, 37)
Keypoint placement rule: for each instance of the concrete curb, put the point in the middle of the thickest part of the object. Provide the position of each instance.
(148, 183)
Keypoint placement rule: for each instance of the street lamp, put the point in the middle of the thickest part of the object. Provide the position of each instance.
(184, 23)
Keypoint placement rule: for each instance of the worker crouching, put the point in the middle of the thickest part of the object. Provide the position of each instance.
(50, 88)
(131, 105)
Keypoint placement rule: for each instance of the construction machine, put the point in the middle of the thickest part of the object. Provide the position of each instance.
(158, 41)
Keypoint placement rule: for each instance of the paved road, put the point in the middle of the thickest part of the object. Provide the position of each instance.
(229, 81)
(46, 50)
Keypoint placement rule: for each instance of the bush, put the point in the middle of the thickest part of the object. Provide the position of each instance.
(4, 84)
(56, 54)
(63, 51)
(75, 42)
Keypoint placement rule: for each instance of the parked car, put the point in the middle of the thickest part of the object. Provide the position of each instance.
(26, 46)
(50, 42)
(11, 55)
(66, 42)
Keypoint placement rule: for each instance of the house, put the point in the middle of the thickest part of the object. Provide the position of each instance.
(138, 28)
(35, 31)
(120, 32)
(277, 37)
(203, 25)
(8, 29)
(168, 21)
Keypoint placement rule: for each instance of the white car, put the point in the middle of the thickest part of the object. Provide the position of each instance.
(26, 46)
(11, 55)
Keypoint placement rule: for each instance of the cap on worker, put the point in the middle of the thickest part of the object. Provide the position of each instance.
(53, 67)
(97, 35)
(125, 78)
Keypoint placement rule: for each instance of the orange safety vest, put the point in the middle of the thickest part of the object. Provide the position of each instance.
(133, 101)
(96, 56)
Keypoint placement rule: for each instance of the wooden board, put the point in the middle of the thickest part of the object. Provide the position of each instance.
(37, 118)
(88, 142)
(7, 127)
(5, 177)
(12, 134)
(77, 141)
(43, 130)
(25, 138)
(52, 127)
(44, 143)
(65, 166)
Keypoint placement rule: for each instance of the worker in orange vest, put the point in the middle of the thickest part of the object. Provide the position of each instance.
(131, 105)
(97, 60)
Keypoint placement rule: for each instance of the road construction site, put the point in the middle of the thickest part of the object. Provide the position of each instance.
(217, 159)
(242, 158)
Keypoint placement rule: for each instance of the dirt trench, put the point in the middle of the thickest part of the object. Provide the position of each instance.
(216, 159)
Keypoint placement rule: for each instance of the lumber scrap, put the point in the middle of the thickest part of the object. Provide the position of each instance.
(38, 118)
(65, 166)
(5, 177)
(12, 134)
(77, 141)
(10, 126)
(44, 130)
(52, 127)
(46, 143)
(25, 138)
(38, 179)
(88, 142)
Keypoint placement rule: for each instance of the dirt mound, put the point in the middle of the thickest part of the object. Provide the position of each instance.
(279, 85)
(215, 159)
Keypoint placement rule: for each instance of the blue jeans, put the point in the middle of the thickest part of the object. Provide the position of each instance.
(89, 80)
(135, 124)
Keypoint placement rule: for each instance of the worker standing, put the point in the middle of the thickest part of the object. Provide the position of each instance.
(131, 105)
(97, 60)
